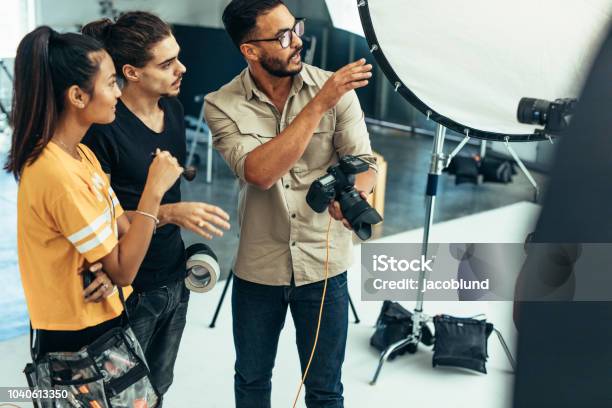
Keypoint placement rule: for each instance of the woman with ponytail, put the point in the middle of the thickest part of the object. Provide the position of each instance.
(68, 215)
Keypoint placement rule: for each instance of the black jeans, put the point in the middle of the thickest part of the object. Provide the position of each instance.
(258, 317)
(158, 318)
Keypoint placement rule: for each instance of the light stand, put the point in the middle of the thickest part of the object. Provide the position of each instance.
(8, 74)
(438, 162)
(6, 70)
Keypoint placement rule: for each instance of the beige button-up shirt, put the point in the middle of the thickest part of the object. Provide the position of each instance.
(280, 235)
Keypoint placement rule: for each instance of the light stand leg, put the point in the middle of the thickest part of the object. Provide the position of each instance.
(506, 349)
(386, 353)
(227, 283)
(353, 309)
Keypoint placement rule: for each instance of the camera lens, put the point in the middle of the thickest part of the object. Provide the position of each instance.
(532, 111)
(358, 213)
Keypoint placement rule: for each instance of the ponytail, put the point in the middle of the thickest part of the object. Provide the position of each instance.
(46, 65)
(34, 111)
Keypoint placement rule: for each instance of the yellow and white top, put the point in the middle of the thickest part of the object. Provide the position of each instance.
(66, 216)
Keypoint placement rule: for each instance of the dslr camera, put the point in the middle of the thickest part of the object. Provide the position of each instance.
(339, 184)
(554, 116)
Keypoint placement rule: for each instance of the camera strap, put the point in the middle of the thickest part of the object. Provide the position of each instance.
(314, 346)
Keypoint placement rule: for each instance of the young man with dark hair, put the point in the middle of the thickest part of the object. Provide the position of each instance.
(149, 116)
(279, 125)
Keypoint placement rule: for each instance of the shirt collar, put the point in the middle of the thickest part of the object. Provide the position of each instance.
(250, 88)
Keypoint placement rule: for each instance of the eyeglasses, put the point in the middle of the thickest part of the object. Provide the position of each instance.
(286, 37)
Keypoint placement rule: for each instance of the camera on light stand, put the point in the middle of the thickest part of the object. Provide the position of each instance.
(554, 116)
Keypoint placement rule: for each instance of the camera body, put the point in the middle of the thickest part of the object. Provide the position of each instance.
(554, 116)
(339, 184)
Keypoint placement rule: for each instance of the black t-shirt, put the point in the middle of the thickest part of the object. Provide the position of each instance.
(124, 150)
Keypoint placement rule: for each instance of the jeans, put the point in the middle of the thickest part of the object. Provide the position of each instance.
(259, 312)
(158, 318)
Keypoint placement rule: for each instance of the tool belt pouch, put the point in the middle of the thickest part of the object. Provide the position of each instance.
(111, 372)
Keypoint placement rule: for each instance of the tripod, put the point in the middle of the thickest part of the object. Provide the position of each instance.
(438, 162)
(227, 283)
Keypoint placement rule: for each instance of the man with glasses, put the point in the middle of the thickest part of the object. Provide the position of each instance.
(279, 125)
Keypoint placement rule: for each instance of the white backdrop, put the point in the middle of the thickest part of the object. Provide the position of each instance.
(69, 13)
(16, 19)
(344, 15)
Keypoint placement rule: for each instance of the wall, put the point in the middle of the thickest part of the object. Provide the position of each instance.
(205, 13)
(195, 12)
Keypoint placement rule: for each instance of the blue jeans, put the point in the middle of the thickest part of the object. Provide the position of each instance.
(158, 317)
(259, 316)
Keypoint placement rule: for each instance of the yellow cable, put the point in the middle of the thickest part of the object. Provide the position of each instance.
(314, 346)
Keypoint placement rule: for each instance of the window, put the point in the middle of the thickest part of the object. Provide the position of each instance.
(16, 19)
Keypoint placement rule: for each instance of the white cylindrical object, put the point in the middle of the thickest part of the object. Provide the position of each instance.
(207, 262)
